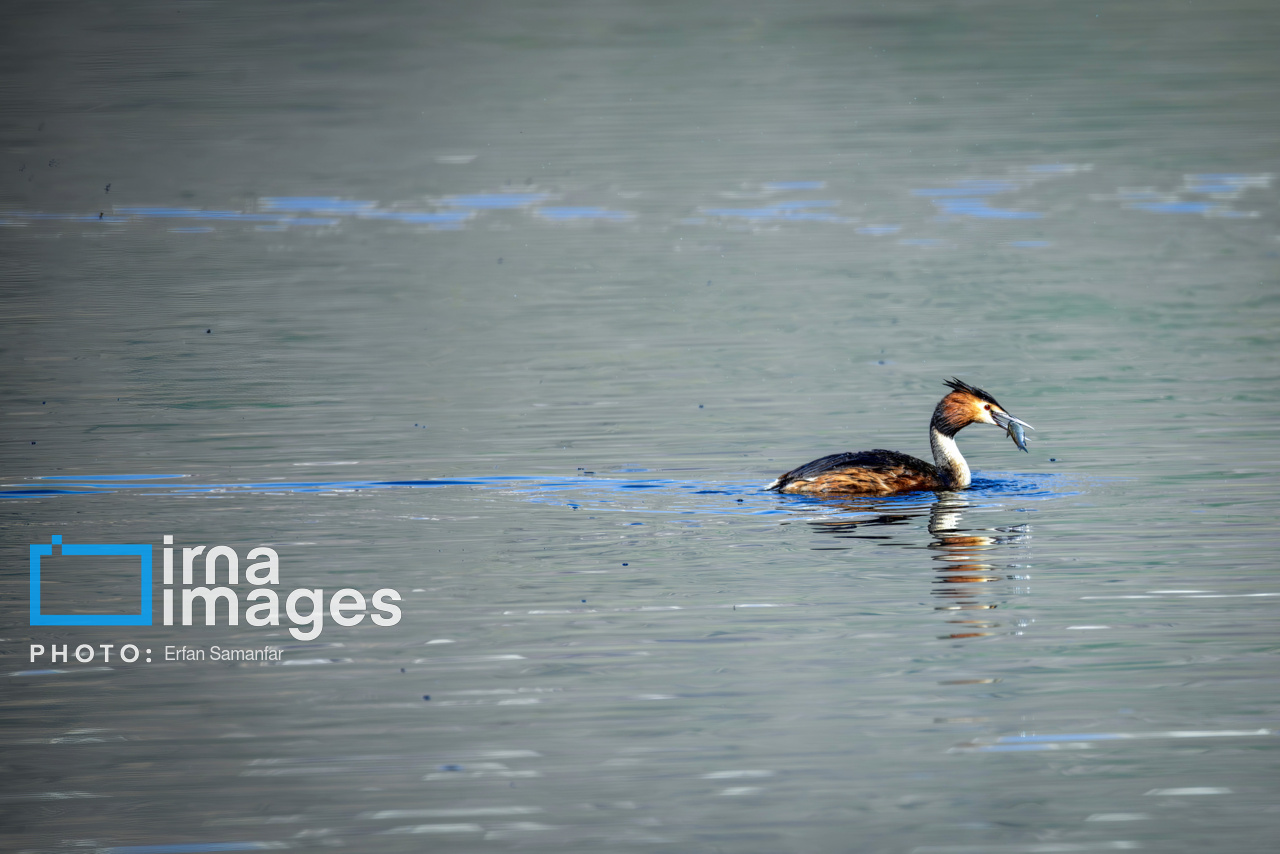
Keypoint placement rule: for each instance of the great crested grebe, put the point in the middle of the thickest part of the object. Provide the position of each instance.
(881, 472)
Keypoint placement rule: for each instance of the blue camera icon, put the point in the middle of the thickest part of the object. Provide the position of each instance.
(142, 550)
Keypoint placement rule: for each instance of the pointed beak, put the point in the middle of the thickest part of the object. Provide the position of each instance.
(1013, 427)
(1004, 419)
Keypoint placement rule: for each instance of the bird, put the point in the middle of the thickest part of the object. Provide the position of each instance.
(881, 472)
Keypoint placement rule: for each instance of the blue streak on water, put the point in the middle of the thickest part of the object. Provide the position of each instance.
(495, 200)
(189, 848)
(240, 216)
(1173, 207)
(1213, 188)
(1011, 748)
(192, 213)
(879, 230)
(362, 209)
(1029, 244)
(799, 204)
(65, 217)
(1050, 739)
(564, 214)
(661, 496)
(978, 207)
(775, 213)
(325, 204)
(426, 217)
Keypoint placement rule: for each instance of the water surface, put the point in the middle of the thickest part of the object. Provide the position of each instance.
(515, 309)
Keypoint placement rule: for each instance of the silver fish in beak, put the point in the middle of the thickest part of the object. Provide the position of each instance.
(1013, 427)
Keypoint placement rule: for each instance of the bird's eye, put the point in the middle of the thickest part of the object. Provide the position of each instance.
(988, 407)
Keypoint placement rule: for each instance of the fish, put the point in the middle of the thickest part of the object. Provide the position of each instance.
(1017, 434)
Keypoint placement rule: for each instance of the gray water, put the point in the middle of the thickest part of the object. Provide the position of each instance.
(515, 309)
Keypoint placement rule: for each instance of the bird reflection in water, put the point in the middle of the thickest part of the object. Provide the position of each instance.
(965, 558)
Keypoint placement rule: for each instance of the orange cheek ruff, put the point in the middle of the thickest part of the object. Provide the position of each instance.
(959, 410)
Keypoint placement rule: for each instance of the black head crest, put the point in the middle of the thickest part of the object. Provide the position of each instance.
(959, 385)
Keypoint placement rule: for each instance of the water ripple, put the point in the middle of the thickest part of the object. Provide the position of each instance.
(596, 494)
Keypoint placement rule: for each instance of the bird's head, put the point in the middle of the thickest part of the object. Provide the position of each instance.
(968, 404)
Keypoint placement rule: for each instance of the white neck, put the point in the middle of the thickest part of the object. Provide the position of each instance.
(946, 456)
